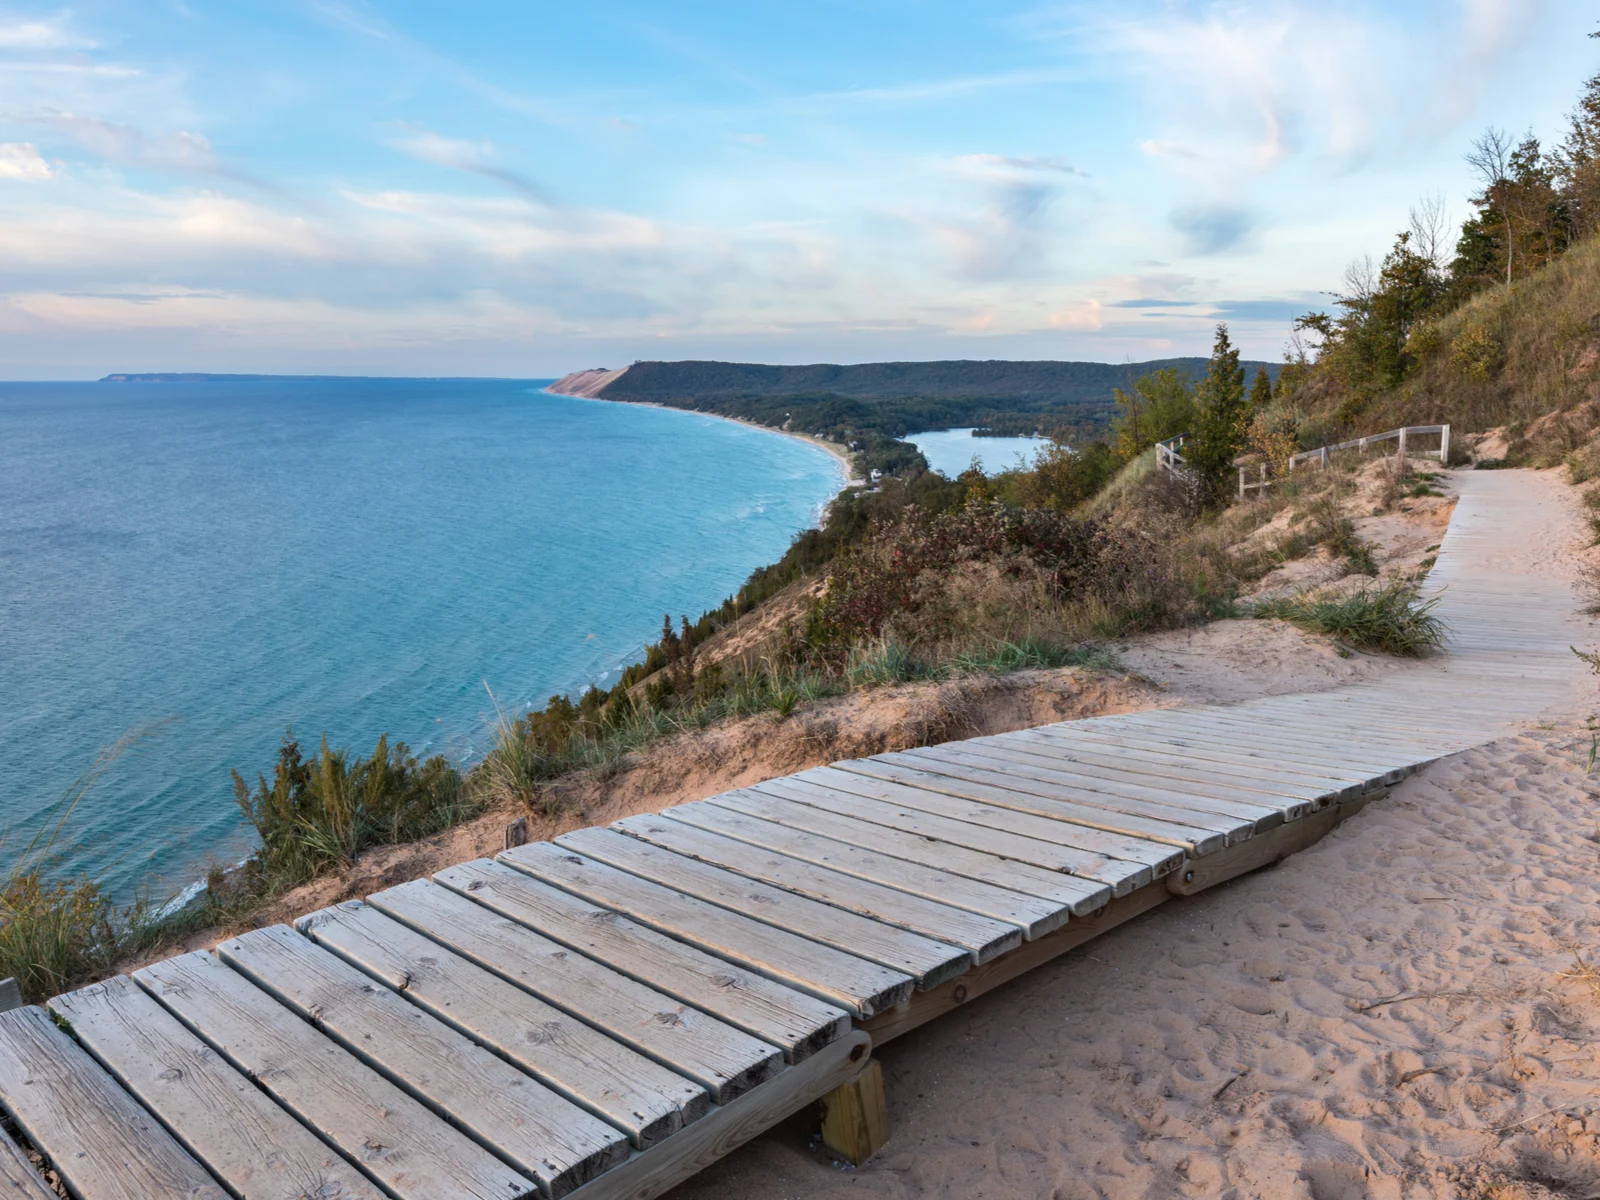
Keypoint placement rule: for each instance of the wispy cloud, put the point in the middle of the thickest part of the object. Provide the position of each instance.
(40, 35)
(952, 87)
(1026, 163)
(1247, 85)
(475, 158)
(128, 146)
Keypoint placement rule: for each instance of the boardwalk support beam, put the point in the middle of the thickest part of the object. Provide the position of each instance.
(855, 1116)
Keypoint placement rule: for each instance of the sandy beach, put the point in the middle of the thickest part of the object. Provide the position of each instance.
(840, 453)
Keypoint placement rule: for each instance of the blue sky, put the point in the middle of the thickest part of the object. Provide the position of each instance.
(528, 188)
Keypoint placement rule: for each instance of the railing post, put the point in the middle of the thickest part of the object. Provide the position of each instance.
(1241, 483)
(1324, 458)
(1402, 441)
(1444, 446)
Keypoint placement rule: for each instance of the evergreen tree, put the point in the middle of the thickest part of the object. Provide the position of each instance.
(1220, 420)
(1577, 160)
(1160, 406)
(1261, 391)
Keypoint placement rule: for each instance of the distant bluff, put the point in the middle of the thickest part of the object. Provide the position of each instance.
(1087, 384)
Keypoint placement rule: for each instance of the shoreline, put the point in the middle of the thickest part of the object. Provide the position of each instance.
(841, 454)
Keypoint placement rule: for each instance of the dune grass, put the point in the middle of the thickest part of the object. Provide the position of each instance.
(58, 932)
(1391, 619)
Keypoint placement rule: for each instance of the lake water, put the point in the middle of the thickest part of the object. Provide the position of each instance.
(951, 451)
(219, 561)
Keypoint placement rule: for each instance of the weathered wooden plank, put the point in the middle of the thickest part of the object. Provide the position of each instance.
(1256, 784)
(925, 959)
(1222, 758)
(637, 1095)
(1032, 914)
(18, 1179)
(925, 1006)
(99, 1139)
(1195, 780)
(909, 793)
(255, 1148)
(795, 1021)
(524, 1122)
(655, 1171)
(1219, 750)
(983, 937)
(1399, 724)
(860, 986)
(995, 828)
(1230, 747)
(1325, 734)
(995, 787)
(1078, 896)
(1365, 768)
(1198, 798)
(723, 1060)
(1118, 792)
(395, 1139)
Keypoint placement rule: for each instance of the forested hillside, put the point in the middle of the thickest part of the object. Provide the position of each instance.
(870, 403)
(1496, 322)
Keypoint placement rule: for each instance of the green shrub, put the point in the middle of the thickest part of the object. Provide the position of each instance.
(1391, 618)
(1476, 353)
(325, 810)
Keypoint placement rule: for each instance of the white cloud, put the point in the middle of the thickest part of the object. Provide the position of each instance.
(39, 35)
(21, 160)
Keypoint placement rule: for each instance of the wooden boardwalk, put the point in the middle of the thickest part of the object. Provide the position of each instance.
(603, 1015)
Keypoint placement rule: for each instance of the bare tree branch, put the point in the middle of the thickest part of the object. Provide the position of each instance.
(1430, 229)
(1490, 158)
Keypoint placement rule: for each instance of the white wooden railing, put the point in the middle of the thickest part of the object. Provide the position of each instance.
(1167, 456)
(1321, 454)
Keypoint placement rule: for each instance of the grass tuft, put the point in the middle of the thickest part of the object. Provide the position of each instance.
(1390, 619)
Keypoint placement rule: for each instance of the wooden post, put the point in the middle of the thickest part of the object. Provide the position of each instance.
(1241, 483)
(1324, 458)
(1444, 446)
(1402, 442)
(855, 1116)
(517, 833)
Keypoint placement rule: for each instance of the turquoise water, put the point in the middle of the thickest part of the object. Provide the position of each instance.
(951, 451)
(218, 561)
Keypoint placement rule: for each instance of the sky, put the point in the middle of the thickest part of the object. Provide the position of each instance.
(527, 188)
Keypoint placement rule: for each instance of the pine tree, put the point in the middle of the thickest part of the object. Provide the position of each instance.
(1577, 160)
(1220, 420)
(1261, 391)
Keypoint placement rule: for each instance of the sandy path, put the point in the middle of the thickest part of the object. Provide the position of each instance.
(1223, 1045)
